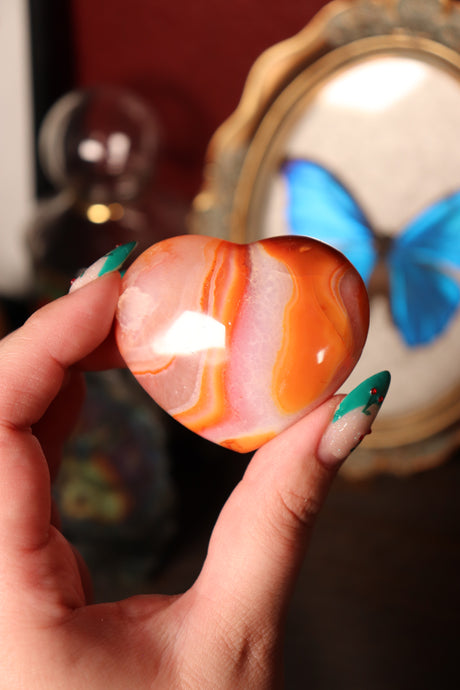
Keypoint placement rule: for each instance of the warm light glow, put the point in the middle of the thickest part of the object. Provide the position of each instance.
(114, 151)
(98, 213)
(375, 85)
(91, 150)
(116, 211)
(118, 147)
(191, 332)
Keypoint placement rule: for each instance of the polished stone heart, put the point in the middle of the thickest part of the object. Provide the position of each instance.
(237, 342)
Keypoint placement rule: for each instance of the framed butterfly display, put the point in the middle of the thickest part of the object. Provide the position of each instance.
(348, 133)
(421, 261)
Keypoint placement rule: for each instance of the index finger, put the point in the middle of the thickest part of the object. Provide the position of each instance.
(34, 359)
(33, 363)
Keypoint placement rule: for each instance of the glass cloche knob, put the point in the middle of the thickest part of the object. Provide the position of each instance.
(101, 143)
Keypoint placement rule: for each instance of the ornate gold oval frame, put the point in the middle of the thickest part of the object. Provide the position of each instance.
(282, 80)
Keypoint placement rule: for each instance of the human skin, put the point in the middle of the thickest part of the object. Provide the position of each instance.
(226, 631)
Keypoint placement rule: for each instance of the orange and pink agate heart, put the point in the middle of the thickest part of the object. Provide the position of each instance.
(235, 341)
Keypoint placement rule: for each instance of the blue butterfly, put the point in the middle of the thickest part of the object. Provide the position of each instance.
(424, 293)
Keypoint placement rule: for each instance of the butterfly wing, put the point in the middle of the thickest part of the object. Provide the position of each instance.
(423, 262)
(321, 207)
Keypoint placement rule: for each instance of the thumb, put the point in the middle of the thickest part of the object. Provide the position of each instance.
(262, 534)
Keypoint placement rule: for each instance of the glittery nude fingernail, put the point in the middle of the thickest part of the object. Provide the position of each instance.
(106, 264)
(353, 419)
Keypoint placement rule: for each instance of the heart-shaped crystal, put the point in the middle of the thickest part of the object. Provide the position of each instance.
(235, 341)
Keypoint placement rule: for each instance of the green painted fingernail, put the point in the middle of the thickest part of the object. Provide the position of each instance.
(370, 392)
(116, 258)
(353, 419)
(107, 264)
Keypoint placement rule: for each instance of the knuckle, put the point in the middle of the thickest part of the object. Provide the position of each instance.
(297, 510)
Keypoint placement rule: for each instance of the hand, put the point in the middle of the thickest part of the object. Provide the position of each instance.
(226, 631)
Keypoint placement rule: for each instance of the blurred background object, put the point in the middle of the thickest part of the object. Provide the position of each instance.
(101, 143)
(98, 147)
(115, 492)
(17, 196)
(346, 132)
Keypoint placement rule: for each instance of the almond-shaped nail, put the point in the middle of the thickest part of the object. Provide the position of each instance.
(106, 264)
(353, 419)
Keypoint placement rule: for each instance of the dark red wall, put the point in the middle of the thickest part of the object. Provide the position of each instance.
(188, 58)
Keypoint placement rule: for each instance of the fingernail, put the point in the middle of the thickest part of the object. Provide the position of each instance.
(353, 419)
(106, 264)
